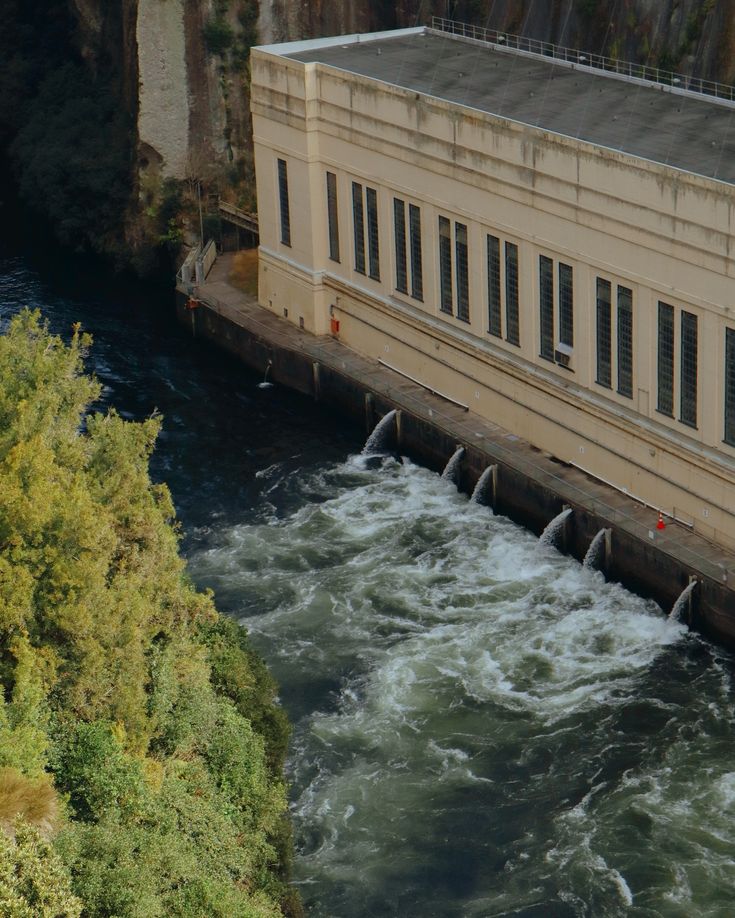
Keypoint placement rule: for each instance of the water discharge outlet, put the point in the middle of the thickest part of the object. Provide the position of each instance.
(383, 435)
(555, 532)
(265, 384)
(683, 608)
(453, 467)
(486, 487)
(598, 553)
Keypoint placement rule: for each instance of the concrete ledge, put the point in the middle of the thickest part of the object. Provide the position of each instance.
(531, 487)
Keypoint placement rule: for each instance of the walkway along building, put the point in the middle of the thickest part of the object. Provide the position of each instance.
(549, 245)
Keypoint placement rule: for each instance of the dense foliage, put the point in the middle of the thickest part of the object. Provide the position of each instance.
(138, 733)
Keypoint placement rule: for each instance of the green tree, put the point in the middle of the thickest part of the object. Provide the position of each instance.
(33, 881)
(121, 682)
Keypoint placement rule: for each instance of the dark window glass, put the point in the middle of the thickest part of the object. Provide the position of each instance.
(332, 216)
(399, 226)
(730, 386)
(373, 242)
(358, 220)
(688, 393)
(493, 286)
(283, 201)
(625, 341)
(566, 305)
(666, 359)
(546, 306)
(417, 271)
(463, 280)
(604, 333)
(512, 332)
(445, 264)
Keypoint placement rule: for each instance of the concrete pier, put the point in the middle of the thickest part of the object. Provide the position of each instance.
(530, 487)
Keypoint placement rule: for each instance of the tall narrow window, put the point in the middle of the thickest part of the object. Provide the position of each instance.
(493, 286)
(332, 216)
(546, 307)
(417, 272)
(358, 220)
(666, 359)
(512, 333)
(373, 241)
(730, 386)
(625, 341)
(463, 280)
(283, 201)
(413, 248)
(445, 264)
(604, 333)
(399, 227)
(688, 392)
(566, 305)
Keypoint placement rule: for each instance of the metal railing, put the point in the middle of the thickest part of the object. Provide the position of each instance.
(627, 69)
(208, 258)
(197, 265)
(187, 271)
(239, 217)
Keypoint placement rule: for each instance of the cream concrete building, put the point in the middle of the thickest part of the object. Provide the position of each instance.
(551, 246)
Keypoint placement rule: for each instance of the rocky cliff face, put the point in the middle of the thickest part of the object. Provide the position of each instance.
(691, 36)
(192, 89)
(178, 70)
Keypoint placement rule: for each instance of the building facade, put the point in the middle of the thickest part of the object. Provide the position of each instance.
(551, 247)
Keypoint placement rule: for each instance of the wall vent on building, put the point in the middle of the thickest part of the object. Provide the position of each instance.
(563, 355)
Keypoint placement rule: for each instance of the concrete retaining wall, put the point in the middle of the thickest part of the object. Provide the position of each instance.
(524, 492)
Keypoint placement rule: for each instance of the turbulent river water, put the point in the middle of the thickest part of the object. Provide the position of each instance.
(482, 726)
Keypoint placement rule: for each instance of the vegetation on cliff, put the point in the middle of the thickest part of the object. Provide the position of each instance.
(140, 746)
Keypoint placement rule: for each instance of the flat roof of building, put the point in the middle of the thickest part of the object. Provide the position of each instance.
(683, 130)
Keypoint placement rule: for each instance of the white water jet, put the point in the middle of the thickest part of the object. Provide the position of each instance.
(378, 440)
(595, 556)
(451, 469)
(555, 528)
(682, 603)
(483, 483)
(265, 384)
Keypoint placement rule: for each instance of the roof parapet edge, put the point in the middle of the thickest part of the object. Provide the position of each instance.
(285, 49)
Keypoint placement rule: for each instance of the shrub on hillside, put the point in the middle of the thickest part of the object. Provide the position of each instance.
(121, 682)
(218, 35)
(33, 881)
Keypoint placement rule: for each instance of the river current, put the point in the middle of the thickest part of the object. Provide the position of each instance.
(482, 726)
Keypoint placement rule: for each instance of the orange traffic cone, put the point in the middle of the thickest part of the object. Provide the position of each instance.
(660, 524)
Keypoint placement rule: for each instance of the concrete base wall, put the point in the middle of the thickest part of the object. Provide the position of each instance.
(642, 560)
(686, 480)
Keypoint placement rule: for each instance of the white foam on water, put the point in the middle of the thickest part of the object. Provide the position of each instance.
(457, 644)
(725, 787)
(672, 823)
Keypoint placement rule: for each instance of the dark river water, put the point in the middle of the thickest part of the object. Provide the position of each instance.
(482, 726)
